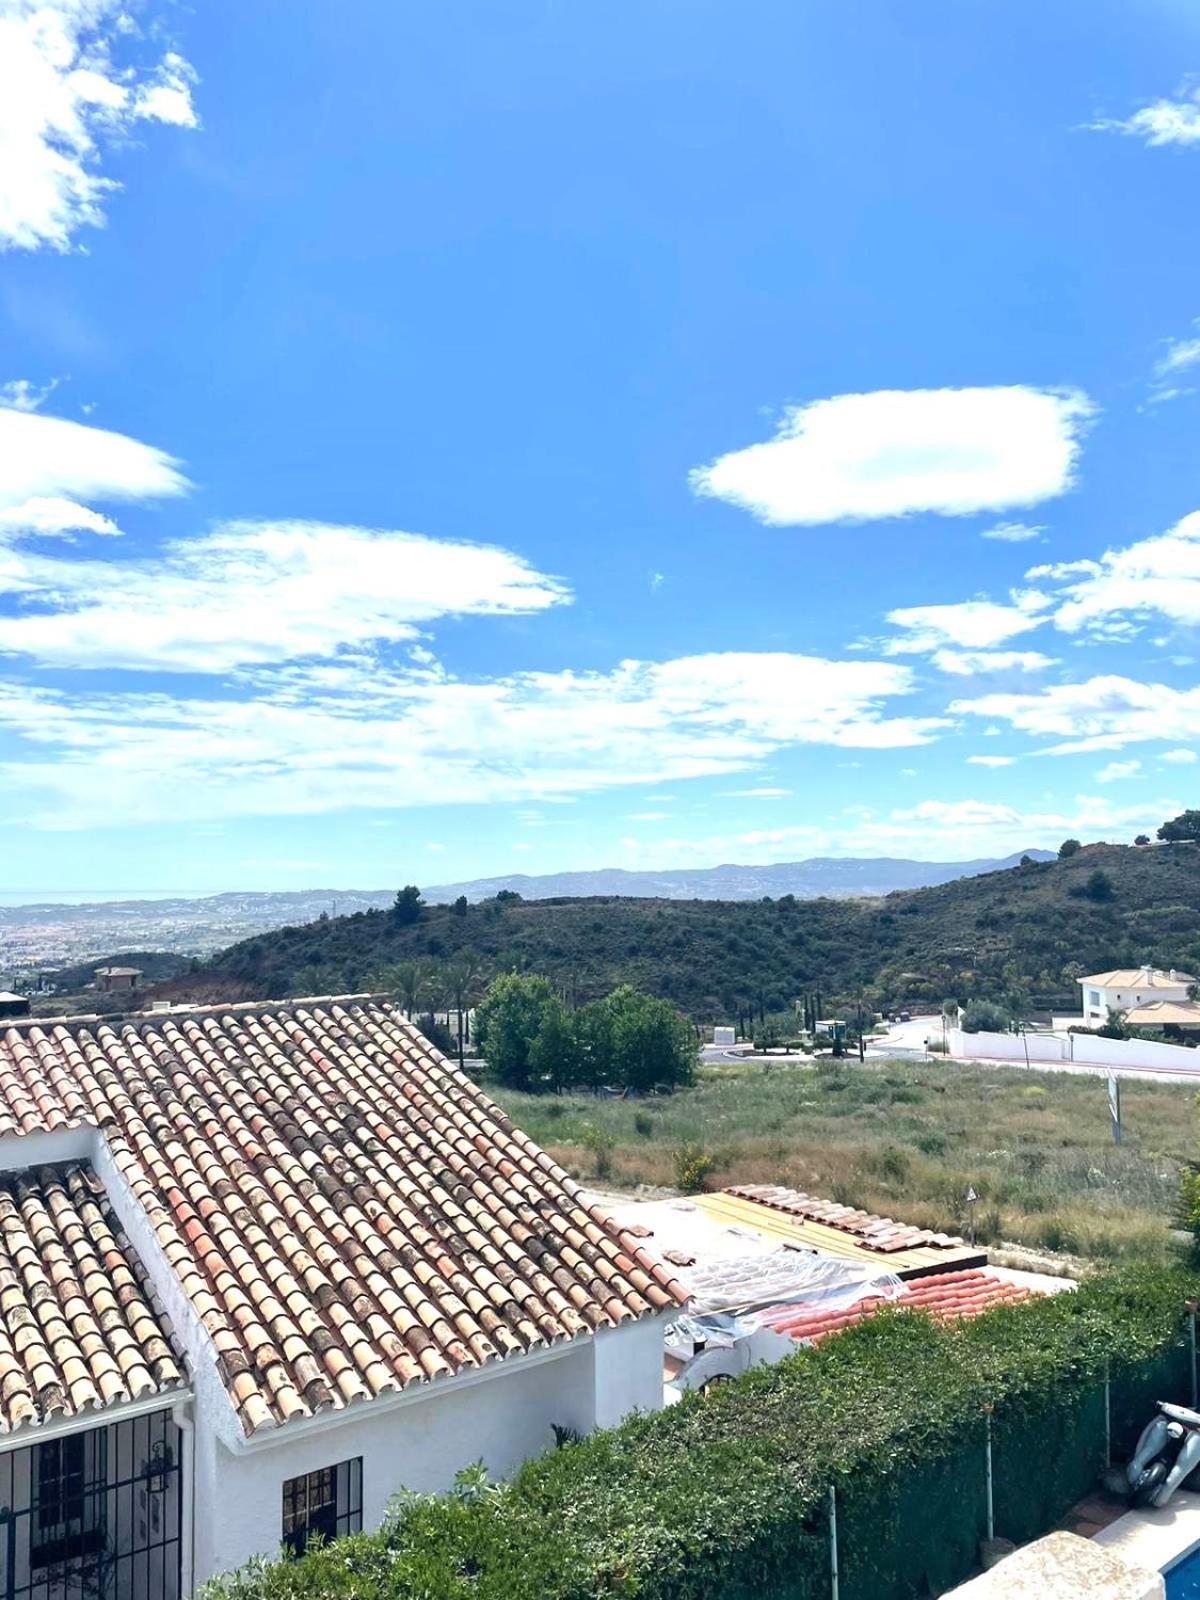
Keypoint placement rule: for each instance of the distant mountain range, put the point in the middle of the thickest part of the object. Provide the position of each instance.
(820, 875)
(47, 935)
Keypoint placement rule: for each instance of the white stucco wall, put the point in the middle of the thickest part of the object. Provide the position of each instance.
(502, 1419)
(1088, 1049)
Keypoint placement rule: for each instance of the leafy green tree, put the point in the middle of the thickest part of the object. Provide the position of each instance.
(557, 1056)
(508, 1020)
(639, 1042)
(1068, 848)
(459, 906)
(1142, 838)
(1099, 886)
(407, 906)
(1185, 826)
(984, 1016)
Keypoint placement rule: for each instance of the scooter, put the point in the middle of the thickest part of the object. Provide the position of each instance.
(1167, 1453)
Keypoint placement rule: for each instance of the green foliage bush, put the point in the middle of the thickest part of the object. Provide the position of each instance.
(693, 1163)
(728, 1494)
(984, 1016)
(532, 1040)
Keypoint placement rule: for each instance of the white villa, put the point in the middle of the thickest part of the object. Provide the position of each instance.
(263, 1265)
(1128, 987)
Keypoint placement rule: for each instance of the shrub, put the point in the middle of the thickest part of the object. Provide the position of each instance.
(728, 1494)
(643, 1124)
(984, 1016)
(693, 1163)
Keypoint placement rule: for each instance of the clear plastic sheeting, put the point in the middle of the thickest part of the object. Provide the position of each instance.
(752, 1282)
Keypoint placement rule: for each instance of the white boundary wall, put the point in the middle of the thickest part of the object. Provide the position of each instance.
(1088, 1049)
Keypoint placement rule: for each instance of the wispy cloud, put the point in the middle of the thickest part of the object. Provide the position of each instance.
(1172, 367)
(19, 394)
(1116, 771)
(990, 761)
(75, 78)
(1168, 121)
(857, 457)
(49, 467)
(312, 738)
(973, 625)
(1013, 532)
(762, 792)
(970, 663)
(1180, 757)
(1102, 713)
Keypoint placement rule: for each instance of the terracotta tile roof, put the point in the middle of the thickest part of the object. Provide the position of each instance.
(1157, 1013)
(346, 1212)
(947, 1296)
(78, 1330)
(1139, 978)
(872, 1232)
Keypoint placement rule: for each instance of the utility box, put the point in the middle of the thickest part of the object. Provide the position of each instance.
(724, 1036)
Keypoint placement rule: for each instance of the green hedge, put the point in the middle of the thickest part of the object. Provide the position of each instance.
(728, 1495)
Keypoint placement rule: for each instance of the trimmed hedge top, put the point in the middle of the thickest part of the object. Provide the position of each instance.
(727, 1495)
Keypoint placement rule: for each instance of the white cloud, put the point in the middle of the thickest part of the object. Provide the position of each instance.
(252, 593)
(1159, 575)
(763, 792)
(1013, 532)
(1115, 771)
(1179, 758)
(857, 457)
(19, 394)
(48, 458)
(1110, 598)
(990, 761)
(51, 514)
(356, 734)
(965, 663)
(970, 624)
(64, 97)
(933, 830)
(646, 816)
(1179, 355)
(1165, 121)
(1103, 713)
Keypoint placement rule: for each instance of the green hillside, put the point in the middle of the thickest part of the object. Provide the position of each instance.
(1037, 927)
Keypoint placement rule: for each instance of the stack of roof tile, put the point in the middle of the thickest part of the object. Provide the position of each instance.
(947, 1296)
(346, 1212)
(874, 1233)
(78, 1330)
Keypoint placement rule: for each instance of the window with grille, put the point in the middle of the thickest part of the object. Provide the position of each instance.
(327, 1502)
(69, 1484)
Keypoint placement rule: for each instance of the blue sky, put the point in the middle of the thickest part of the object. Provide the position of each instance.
(443, 441)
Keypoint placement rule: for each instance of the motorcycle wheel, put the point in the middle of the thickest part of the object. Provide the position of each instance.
(1150, 1480)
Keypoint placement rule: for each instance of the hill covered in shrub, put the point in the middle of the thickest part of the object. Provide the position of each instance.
(1027, 932)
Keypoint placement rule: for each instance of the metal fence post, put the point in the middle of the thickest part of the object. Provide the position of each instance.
(833, 1549)
(991, 1511)
(1192, 1327)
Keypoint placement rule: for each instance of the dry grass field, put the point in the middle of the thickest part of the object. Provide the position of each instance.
(906, 1139)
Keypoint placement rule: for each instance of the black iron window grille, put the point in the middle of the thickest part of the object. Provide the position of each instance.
(328, 1503)
(94, 1515)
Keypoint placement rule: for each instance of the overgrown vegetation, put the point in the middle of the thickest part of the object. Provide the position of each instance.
(905, 1139)
(533, 1040)
(728, 1494)
(1014, 937)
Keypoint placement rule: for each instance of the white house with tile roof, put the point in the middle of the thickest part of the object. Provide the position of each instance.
(262, 1266)
(1128, 987)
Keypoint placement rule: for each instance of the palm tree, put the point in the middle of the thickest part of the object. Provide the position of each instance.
(409, 980)
(462, 976)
